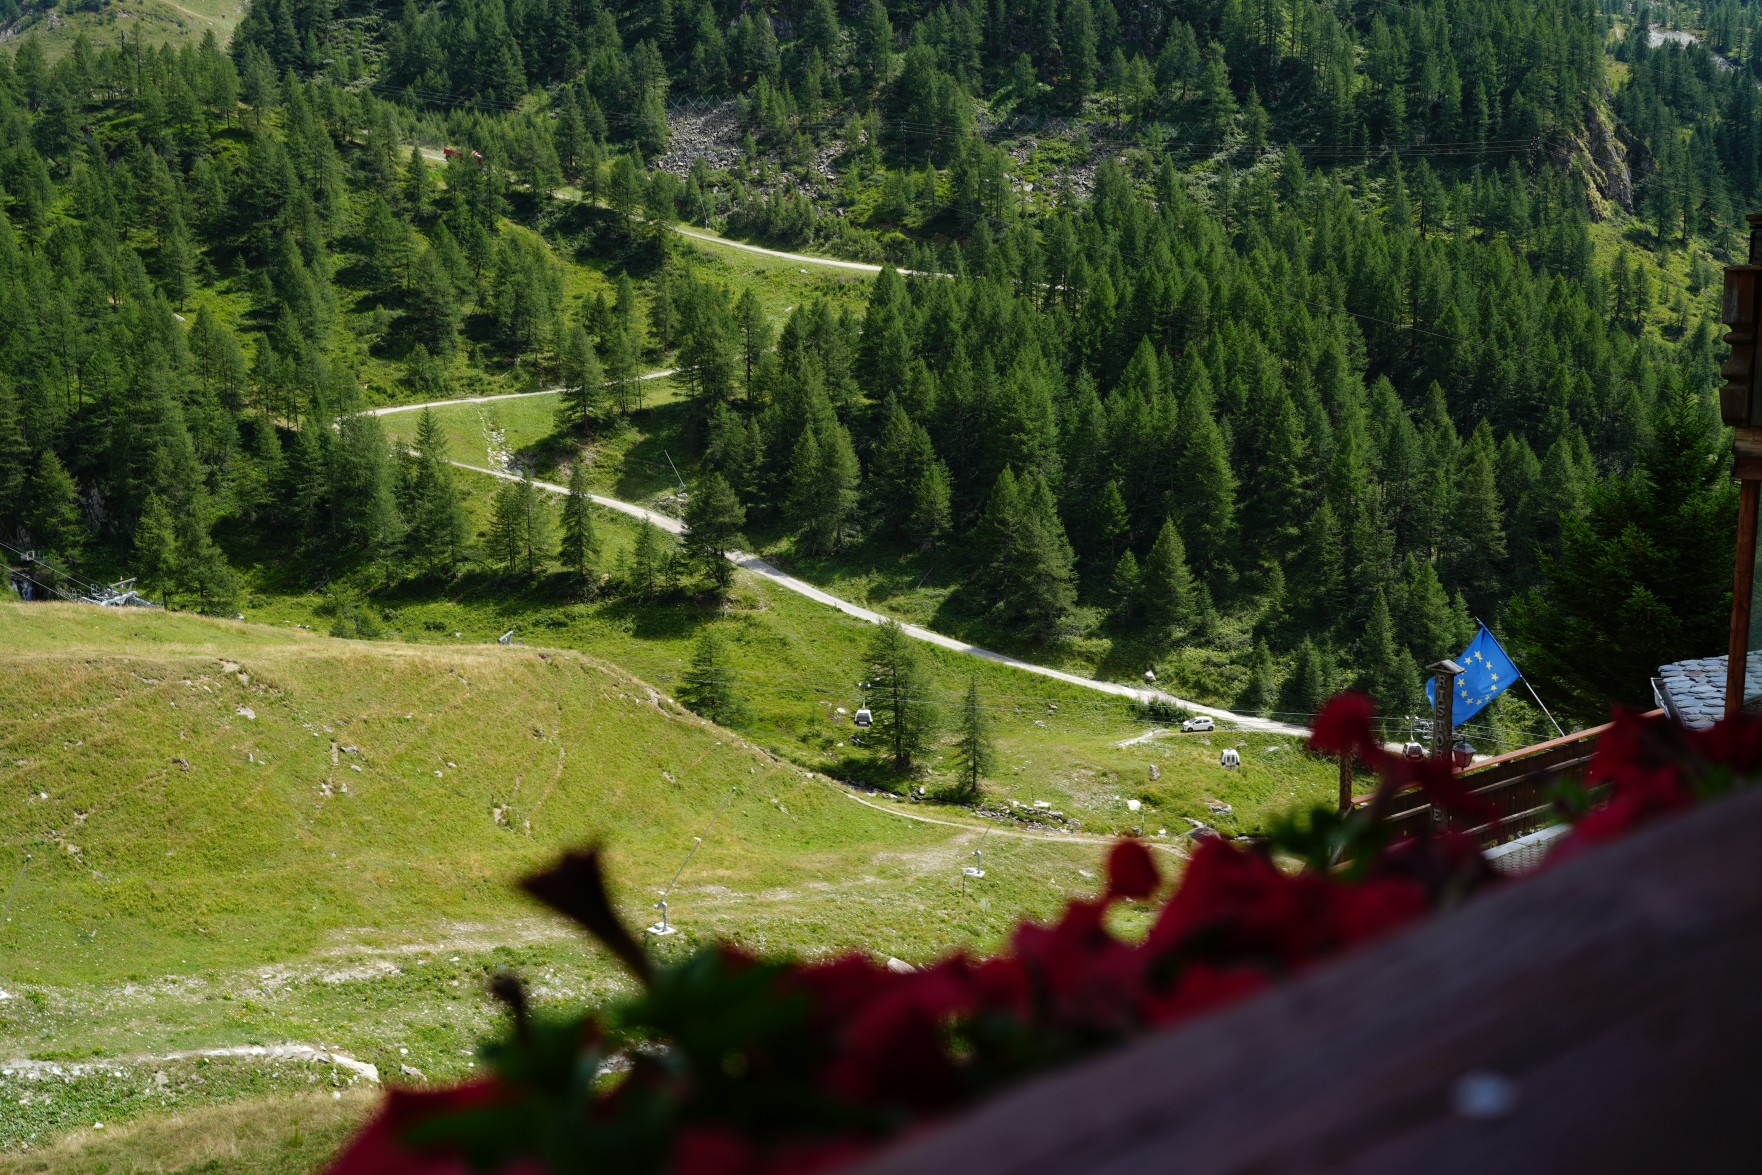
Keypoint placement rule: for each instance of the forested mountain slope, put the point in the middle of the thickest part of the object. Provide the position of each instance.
(1296, 334)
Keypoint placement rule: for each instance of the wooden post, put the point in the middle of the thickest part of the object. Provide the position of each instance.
(1444, 675)
(1742, 585)
(1346, 783)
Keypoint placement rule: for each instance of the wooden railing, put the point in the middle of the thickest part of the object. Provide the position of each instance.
(1601, 1016)
(1519, 785)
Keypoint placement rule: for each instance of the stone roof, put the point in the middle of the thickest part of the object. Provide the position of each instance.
(1693, 692)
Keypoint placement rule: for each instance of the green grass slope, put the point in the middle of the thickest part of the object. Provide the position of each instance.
(146, 22)
(220, 836)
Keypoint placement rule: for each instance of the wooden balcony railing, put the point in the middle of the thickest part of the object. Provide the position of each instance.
(1519, 785)
(1609, 1002)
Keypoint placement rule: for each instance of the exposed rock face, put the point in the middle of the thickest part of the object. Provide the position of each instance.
(1605, 160)
(709, 133)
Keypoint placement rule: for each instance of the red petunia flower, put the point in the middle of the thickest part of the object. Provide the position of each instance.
(380, 1147)
(714, 1150)
(1344, 727)
(1131, 871)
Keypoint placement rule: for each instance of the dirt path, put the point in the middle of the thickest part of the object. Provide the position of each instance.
(766, 570)
(397, 408)
(1066, 838)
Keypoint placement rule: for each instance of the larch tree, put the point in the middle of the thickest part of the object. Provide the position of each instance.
(709, 689)
(713, 520)
(905, 719)
(580, 548)
(975, 754)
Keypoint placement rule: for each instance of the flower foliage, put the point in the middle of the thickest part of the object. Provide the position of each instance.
(737, 1065)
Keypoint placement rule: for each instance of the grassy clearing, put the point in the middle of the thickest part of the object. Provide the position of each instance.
(148, 22)
(263, 1136)
(798, 663)
(270, 892)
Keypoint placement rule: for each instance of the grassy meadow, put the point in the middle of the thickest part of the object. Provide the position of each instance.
(222, 836)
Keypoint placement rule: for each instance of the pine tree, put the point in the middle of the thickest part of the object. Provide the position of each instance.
(1386, 671)
(1170, 598)
(1309, 685)
(438, 533)
(365, 509)
(1112, 520)
(904, 717)
(582, 398)
(52, 516)
(156, 550)
(202, 569)
(535, 529)
(709, 687)
(835, 479)
(1263, 680)
(580, 549)
(1126, 585)
(931, 518)
(1205, 498)
(649, 556)
(975, 755)
(1643, 575)
(1477, 524)
(507, 540)
(755, 338)
(713, 520)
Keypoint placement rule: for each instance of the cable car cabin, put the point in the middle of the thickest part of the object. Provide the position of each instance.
(864, 719)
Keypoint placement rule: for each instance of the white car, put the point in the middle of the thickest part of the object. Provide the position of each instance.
(1203, 722)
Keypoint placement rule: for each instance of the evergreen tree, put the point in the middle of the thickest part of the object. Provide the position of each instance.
(930, 520)
(580, 549)
(1386, 672)
(535, 531)
(975, 755)
(364, 508)
(582, 398)
(438, 534)
(1126, 585)
(156, 551)
(709, 688)
(1169, 595)
(1643, 575)
(647, 570)
(52, 515)
(520, 527)
(904, 717)
(1263, 680)
(713, 520)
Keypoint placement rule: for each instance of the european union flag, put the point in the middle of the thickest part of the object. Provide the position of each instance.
(1486, 673)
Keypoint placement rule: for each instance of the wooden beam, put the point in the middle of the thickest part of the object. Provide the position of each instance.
(1614, 995)
(1743, 581)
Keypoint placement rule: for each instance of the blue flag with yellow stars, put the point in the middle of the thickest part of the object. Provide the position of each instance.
(1486, 673)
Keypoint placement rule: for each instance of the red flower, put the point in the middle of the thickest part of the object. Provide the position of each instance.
(1131, 873)
(841, 987)
(1637, 796)
(1203, 987)
(379, 1148)
(1374, 908)
(1344, 727)
(1734, 742)
(713, 1150)
(1442, 786)
(894, 1055)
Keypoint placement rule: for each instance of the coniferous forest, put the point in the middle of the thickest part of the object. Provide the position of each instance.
(1303, 334)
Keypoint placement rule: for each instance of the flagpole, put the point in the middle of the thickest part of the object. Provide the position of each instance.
(1525, 678)
(1532, 690)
